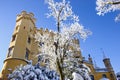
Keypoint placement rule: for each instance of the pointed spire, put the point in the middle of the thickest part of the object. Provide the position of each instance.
(95, 65)
(104, 56)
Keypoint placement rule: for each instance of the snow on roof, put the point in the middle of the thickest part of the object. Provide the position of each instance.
(101, 70)
(104, 79)
(118, 74)
(86, 61)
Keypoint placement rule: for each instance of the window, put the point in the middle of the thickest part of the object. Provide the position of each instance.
(10, 51)
(92, 77)
(111, 75)
(104, 76)
(24, 27)
(27, 54)
(13, 38)
(29, 40)
(17, 27)
(41, 44)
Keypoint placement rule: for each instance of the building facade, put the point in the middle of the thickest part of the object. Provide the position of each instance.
(99, 73)
(23, 47)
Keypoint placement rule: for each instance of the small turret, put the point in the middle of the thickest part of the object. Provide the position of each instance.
(90, 59)
(108, 64)
(109, 67)
(106, 61)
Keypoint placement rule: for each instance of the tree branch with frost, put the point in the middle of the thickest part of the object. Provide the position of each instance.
(60, 11)
(65, 40)
(66, 37)
(105, 6)
(68, 33)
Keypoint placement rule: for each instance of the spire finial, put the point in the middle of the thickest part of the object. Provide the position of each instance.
(89, 55)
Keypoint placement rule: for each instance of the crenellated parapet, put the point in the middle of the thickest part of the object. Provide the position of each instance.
(25, 15)
(46, 31)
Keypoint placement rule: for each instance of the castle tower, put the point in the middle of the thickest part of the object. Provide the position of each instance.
(108, 64)
(77, 49)
(21, 43)
(109, 67)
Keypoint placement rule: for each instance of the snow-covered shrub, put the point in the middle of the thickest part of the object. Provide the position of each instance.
(72, 71)
(104, 79)
(30, 72)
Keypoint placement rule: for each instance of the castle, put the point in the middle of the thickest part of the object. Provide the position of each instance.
(23, 47)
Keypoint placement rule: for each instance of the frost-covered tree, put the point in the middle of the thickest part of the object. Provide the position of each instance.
(105, 6)
(57, 47)
(58, 50)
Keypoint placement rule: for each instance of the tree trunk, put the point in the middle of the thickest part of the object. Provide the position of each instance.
(58, 62)
(59, 69)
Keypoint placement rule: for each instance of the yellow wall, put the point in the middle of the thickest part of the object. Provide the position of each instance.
(24, 28)
(10, 63)
(98, 75)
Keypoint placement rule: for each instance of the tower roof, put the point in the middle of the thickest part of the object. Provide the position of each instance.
(104, 56)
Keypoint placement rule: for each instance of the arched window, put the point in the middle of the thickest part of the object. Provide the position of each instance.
(111, 75)
(92, 77)
(27, 54)
(29, 40)
(10, 51)
(104, 76)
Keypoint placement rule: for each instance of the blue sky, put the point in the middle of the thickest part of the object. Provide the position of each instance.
(106, 32)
